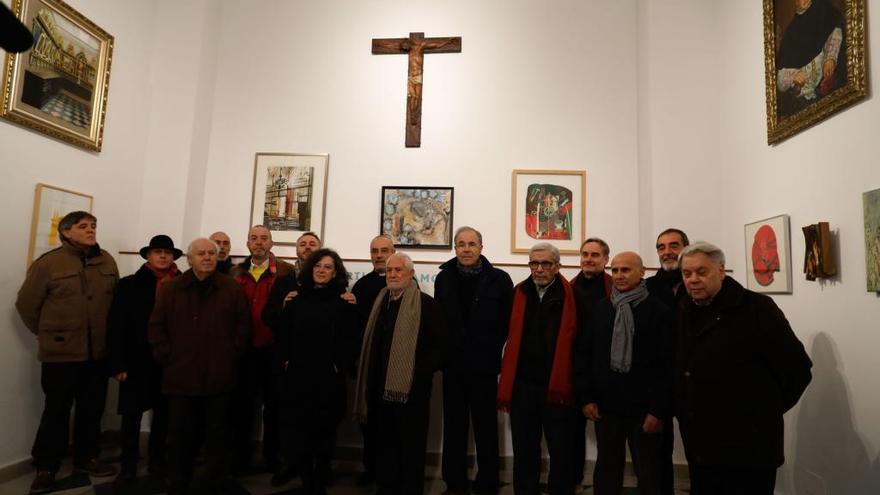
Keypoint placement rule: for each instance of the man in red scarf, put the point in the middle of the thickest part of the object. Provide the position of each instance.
(536, 374)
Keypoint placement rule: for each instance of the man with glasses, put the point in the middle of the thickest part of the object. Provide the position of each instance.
(476, 298)
(536, 374)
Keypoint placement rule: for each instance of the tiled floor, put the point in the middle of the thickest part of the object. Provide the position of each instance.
(255, 484)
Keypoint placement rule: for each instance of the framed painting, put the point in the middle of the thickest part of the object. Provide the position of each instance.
(290, 194)
(50, 205)
(768, 266)
(814, 62)
(548, 206)
(59, 86)
(871, 203)
(417, 217)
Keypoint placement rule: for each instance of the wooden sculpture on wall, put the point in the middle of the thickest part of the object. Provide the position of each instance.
(818, 255)
(416, 46)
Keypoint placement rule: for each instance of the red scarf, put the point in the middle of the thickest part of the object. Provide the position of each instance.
(163, 275)
(561, 388)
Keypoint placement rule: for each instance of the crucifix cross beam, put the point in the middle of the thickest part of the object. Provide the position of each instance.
(416, 46)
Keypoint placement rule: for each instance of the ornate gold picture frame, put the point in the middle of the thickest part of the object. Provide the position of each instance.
(814, 62)
(59, 86)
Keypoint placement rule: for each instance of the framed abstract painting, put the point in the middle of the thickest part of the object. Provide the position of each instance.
(417, 217)
(50, 205)
(548, 206)
(871, 204)
(290, 194)
(768, 255)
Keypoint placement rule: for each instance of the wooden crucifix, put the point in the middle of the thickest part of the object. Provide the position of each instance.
(416, 46)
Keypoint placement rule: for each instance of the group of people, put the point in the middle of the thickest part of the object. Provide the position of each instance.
(208, 349)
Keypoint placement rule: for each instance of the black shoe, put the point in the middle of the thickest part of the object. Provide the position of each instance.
(158, 468)
(127, 475)
(366, 478)
(96, 468)
(44, 482)
(283, 476)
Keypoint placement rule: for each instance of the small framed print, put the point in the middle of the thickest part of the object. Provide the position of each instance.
(417, 217)
(548, 206)
(768, 255)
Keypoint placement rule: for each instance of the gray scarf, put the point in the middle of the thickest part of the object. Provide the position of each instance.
(624, 326)
(401, 360)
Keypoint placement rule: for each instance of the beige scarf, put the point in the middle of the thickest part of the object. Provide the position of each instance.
(401, 361)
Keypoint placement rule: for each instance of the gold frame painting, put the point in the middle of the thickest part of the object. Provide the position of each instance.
(548, 206)
(290, 194)
(50, 205)
(814, 62)
(59, 86)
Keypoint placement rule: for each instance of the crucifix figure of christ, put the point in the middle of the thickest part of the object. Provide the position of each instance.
(416, 46)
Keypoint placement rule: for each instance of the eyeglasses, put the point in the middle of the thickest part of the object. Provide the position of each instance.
(546, 265)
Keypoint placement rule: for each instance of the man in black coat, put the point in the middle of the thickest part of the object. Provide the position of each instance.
(667, 286)
(130, 357)
(738, 368)
(476, 299)
(623, 381)
(405, 343)
(365, 291)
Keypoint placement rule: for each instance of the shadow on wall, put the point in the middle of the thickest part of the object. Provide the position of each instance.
(829, 456)
(28, 344)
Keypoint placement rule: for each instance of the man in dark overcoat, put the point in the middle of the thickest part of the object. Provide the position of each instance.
(199, 329)
(130, 356)
(738, 368)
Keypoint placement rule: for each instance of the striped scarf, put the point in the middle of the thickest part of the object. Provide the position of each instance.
(401, 360)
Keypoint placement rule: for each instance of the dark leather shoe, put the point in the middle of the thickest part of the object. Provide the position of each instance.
(366, 478)
(283, 476)
(44, 482)
(96, 468)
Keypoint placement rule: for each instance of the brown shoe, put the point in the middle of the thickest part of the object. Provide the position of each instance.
(96, 468)
(44, 482)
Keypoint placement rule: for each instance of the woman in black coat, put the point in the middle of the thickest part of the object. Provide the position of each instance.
(317, 343)
(131, 360)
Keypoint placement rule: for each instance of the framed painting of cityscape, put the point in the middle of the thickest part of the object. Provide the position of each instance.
(50, 205)
(814, 62)
(768, 255)
(548, 206)
(871, 203)
(417, 217)
(59, 86)
(290, 194)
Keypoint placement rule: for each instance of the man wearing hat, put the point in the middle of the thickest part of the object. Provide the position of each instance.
(64, 301)
(130, 357)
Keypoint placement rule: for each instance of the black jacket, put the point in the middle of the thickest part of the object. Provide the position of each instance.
(646, 388)
(738, 368)
(476, 341)
(127, 347)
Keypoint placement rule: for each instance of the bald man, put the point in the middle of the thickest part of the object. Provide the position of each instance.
(224, 260)
(622, 378)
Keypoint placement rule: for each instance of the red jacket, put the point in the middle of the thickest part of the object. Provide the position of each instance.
(257, 292)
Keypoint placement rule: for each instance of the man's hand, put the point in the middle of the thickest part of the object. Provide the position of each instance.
(591, 411)
(289, 297)
(121, 377)
(652, 424)
(348, 297)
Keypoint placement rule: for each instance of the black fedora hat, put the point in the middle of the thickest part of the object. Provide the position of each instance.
(161, 241)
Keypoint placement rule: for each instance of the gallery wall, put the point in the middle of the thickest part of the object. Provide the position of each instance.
(662, 103)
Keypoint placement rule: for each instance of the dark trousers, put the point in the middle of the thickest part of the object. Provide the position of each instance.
(579, 449)
(83, 384)
(257, 390)
(131, 432)
(403, 430)
(613, 434)
(369, 448)
(531, 416)
(667, 478)
(712, 480)
(469, 399)
(189, 420)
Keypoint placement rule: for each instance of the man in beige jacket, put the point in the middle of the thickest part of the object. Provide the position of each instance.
(64, 301)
